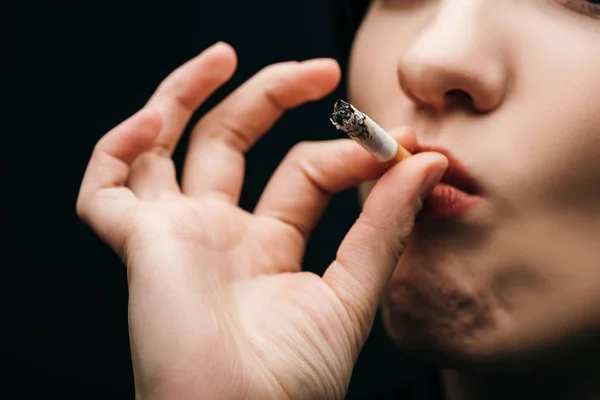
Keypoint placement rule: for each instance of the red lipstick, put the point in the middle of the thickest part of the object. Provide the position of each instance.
(456, 193)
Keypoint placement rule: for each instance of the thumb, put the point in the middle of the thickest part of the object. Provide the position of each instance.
(370, 251)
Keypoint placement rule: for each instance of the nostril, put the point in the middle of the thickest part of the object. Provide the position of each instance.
(457, 98)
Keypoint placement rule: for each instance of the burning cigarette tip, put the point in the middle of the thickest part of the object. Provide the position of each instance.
(341, 112)
(366, 132)
(348, 119)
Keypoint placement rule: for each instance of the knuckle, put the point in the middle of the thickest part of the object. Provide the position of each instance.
(315, 162)
(301, 150)
(235, 134)
(98, 147)
(302, 156)
(275, 77)
(393, 234)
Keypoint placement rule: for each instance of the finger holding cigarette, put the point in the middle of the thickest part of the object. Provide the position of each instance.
(367, 133)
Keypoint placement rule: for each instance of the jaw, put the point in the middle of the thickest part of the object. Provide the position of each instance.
(462, 309)
(438, 304)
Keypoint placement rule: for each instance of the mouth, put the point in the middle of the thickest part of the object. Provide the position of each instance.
(457, 193)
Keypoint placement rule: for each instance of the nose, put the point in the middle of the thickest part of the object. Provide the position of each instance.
(456, 60)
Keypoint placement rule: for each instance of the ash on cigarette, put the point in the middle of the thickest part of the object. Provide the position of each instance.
(348, 119)
(342, 112)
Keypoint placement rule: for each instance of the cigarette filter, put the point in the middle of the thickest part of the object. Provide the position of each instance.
(367, 133)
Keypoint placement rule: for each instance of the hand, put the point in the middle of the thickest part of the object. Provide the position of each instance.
(218, 305)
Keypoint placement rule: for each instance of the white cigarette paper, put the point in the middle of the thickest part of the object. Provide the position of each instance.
(366, 132)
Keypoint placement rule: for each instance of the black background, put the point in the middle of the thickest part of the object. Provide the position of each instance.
(71, 74)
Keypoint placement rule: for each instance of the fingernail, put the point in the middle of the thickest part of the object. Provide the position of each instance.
(317, 61)
(433, 178)
(216, 45)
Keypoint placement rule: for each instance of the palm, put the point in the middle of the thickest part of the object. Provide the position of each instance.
(218, 305)
(273, 317)
(252, 245)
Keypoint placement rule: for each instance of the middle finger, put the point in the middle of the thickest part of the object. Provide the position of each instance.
(215, 159)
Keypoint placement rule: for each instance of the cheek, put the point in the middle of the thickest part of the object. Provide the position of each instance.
(373, 70)
(542, 146)
(557, 95)
(558, 153)
(545, 161)
(372, 81)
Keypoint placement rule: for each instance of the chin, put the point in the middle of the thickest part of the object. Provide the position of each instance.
(437, 312)
(440, 309)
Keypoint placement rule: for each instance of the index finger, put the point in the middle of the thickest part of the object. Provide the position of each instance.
(304, 182)
(232, 127)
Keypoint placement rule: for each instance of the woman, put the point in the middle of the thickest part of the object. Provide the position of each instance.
(482, 247)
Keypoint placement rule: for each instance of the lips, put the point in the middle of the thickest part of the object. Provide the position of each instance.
(457, 192)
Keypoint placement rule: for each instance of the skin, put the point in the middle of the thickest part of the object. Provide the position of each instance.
(511, 89)
(218, 306)
(505, 296)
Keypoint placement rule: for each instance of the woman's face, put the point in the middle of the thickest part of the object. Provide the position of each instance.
(511, 89)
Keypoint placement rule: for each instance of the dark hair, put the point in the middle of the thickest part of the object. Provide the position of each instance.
(347, 16)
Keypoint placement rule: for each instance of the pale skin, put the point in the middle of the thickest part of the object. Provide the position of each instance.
(507, 295)
(218, 305)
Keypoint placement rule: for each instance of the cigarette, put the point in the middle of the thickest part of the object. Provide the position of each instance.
(364, 131)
